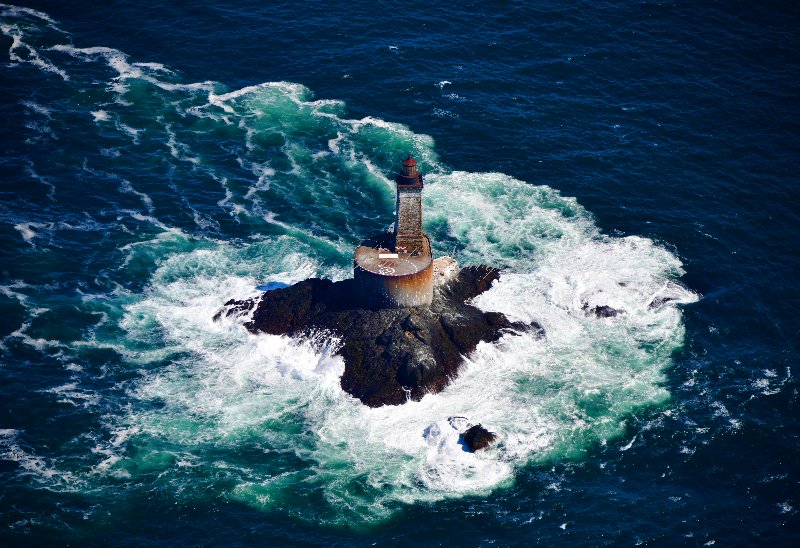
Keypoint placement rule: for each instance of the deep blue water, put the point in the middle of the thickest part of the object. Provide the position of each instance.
(158, 160)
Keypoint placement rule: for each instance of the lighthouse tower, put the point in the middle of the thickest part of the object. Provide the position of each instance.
(409, 237)
(395, 269)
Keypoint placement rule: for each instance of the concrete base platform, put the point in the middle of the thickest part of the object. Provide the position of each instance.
(386, 279)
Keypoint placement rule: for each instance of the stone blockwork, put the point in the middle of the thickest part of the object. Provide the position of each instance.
(408, 228)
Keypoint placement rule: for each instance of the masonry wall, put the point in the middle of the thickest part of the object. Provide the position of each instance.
(408, 228)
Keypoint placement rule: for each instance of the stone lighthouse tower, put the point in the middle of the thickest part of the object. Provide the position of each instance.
(409, 237)
(395, 269)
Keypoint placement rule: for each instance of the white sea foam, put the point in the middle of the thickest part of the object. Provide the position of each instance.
(132, 132)
(545, 397)
(333, 144)
(10, 292)
(295, 92)
(9, 10)
(178, 150)
(249, 102)
(262, 171)
(40, 469)
(27, 232)
(21, 333)
(31, 54)
(118, 61)
(127, 187)
(444, 113)
(42, 129)
(71, 394)
(154, 66)
(374, 171)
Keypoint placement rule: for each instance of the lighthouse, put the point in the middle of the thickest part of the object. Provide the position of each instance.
(395, 269)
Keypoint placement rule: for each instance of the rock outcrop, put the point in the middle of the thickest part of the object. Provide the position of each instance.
(390, 355)
(477, 437)
(601, 311)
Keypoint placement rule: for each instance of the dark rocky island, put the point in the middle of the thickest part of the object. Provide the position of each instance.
(404, 320)
(391, 355)
(477, 437)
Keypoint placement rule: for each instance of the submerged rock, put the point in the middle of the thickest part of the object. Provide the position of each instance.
(658, 302)
(477, 438)
(601, 311)
(390, 355)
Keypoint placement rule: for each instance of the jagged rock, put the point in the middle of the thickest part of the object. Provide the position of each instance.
(601, 311)
(235, 308)
(477, 438)
(390, 355)
(658, 302)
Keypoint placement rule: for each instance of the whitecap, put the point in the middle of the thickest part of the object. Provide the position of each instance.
(27, 232)
(100, 115)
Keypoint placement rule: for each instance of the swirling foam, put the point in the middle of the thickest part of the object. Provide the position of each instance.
(547, 398)
(266, 413)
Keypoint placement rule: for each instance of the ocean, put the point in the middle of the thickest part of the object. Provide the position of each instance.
(160, 159)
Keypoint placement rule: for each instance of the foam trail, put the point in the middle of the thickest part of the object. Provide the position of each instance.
(44, 180)
(31, 54)
(37, 108)
(21, 333)
(16, 11)
(180, 151)
(127, 187)
(126, 70)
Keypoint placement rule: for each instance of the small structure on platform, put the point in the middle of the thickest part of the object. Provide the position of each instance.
(395, 269)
